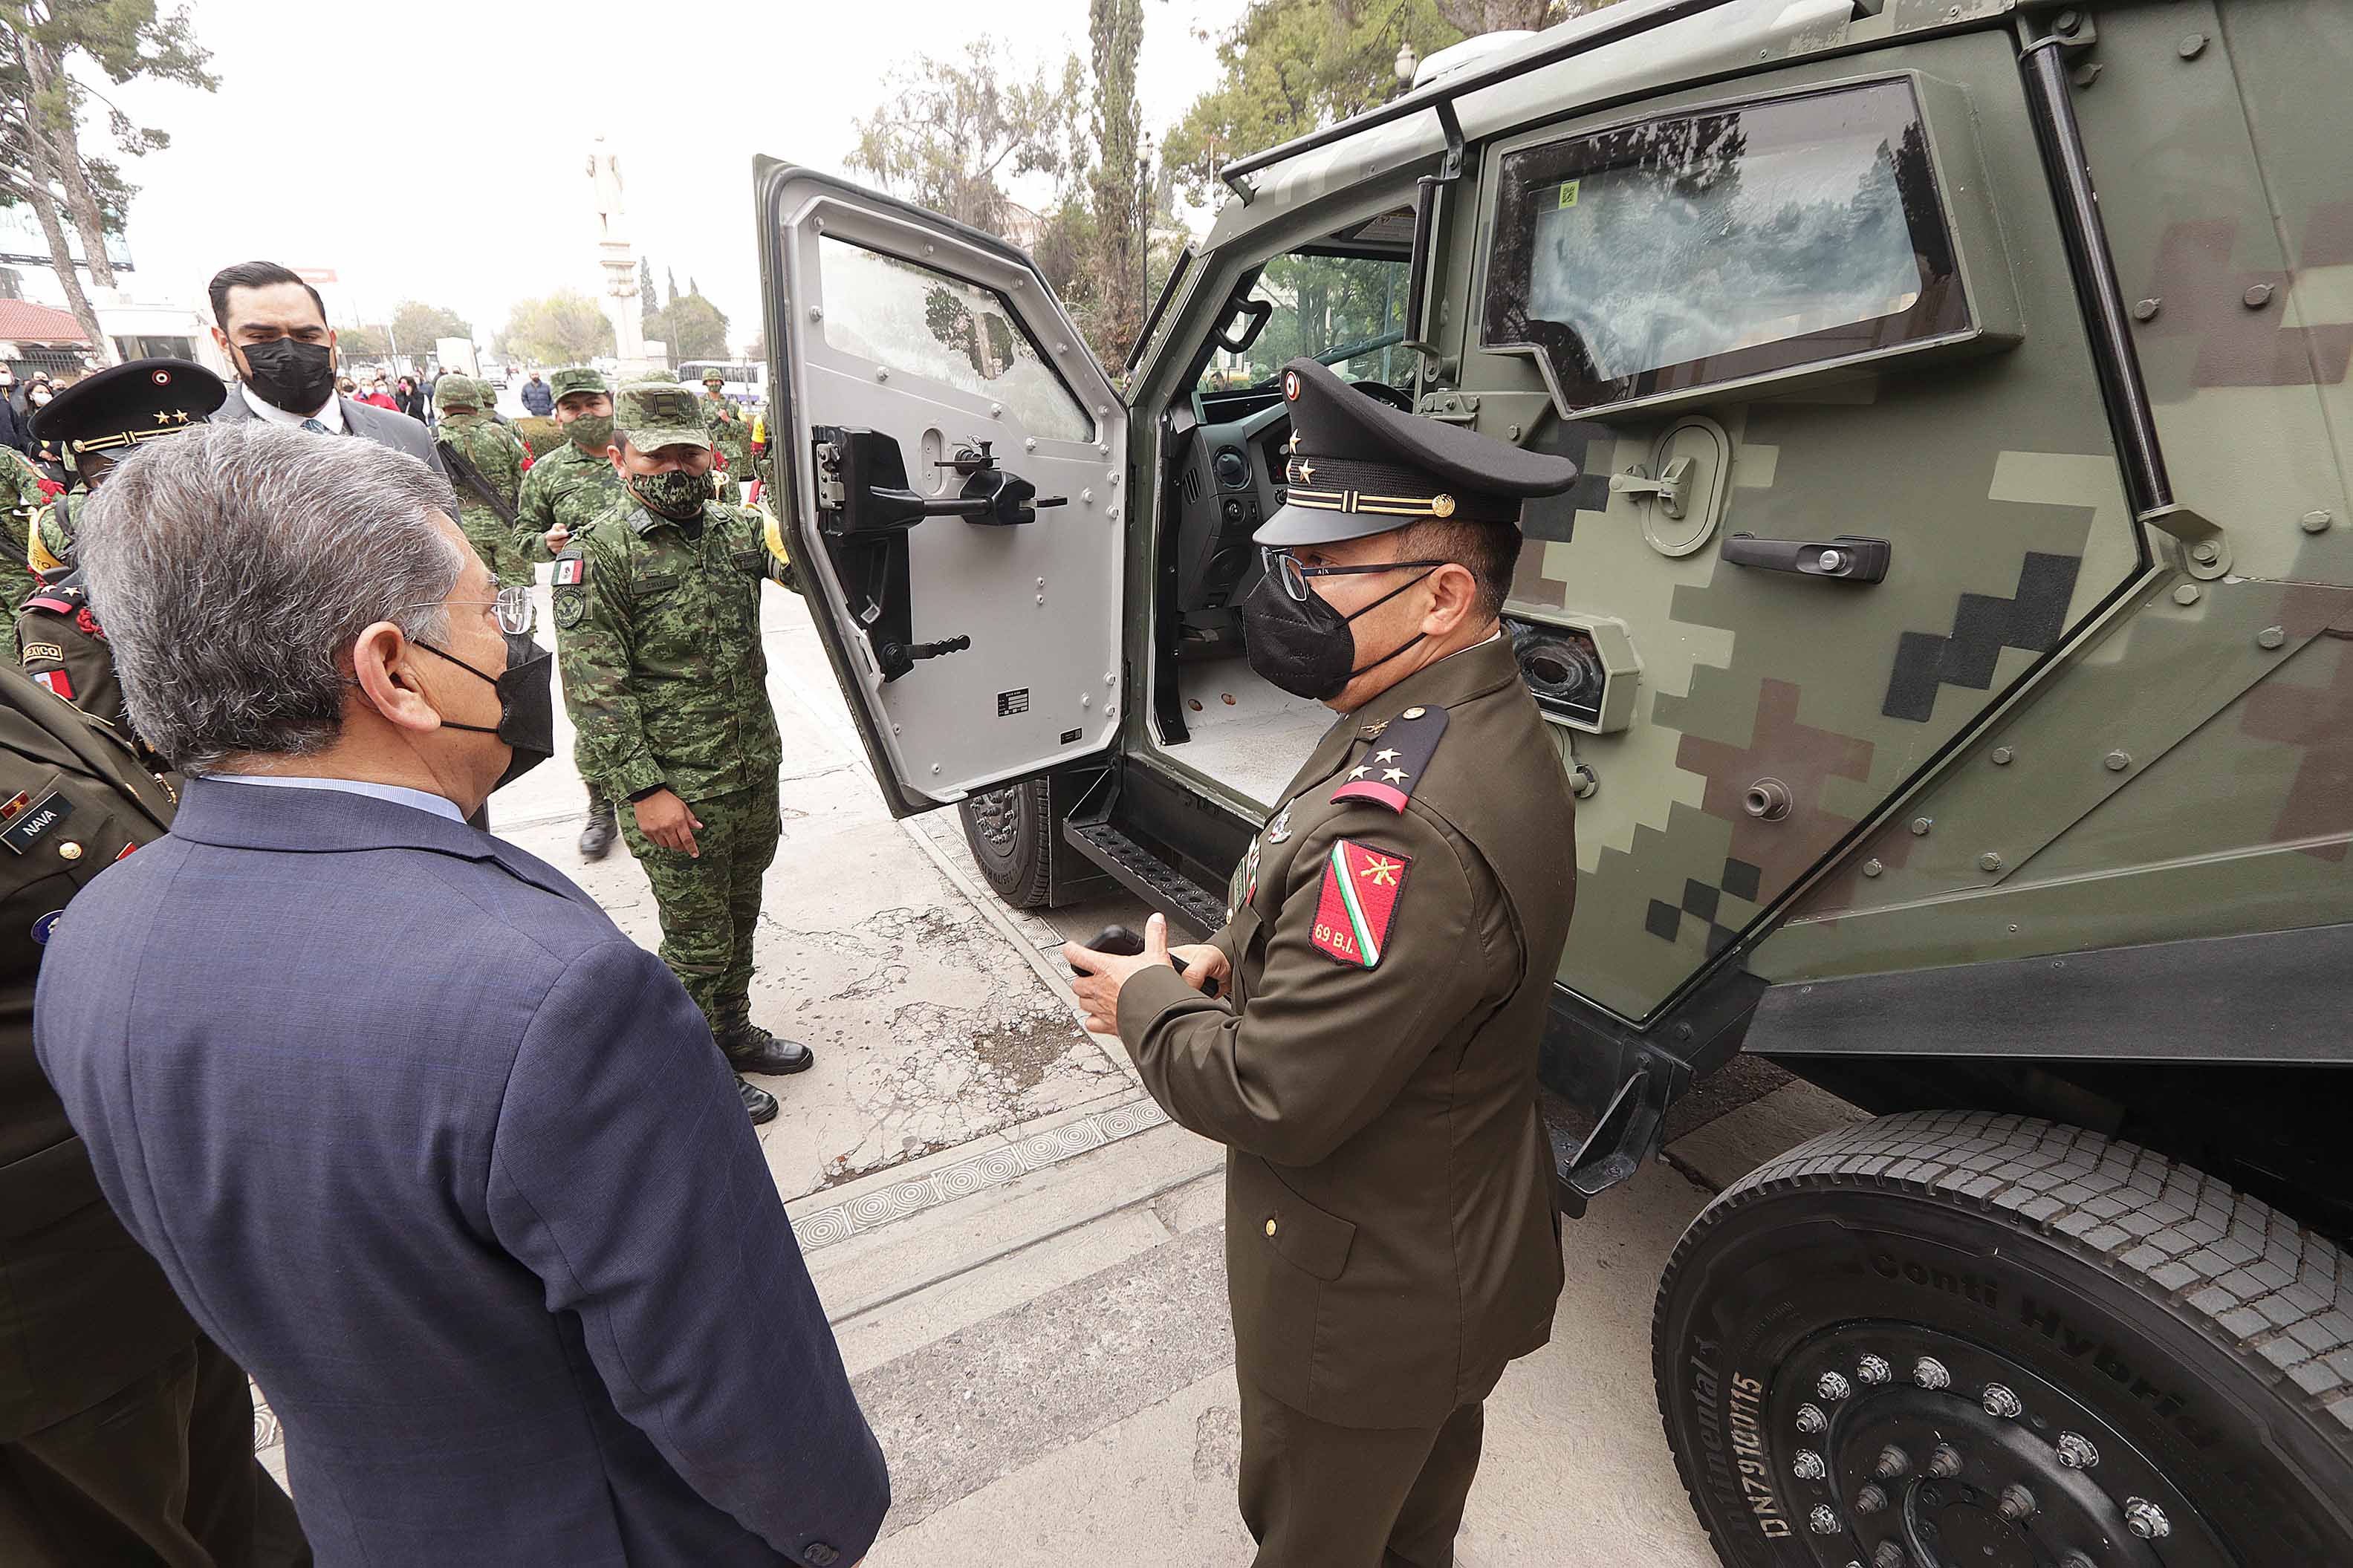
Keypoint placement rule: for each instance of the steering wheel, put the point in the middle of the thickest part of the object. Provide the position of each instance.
(1386, 394)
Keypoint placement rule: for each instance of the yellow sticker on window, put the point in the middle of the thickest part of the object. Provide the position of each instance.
(1568, 192)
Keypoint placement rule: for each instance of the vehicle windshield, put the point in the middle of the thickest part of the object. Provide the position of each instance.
(1347, 311)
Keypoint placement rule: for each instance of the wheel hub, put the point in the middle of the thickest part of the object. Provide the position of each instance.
(994, 814)
(1901, 1446)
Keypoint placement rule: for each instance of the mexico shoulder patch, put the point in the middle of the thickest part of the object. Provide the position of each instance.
(571, 569)
(1361, 889)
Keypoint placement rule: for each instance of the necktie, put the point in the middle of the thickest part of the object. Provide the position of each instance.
(313, 426)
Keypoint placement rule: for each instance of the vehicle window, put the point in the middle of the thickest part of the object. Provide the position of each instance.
(1347, 311)
(918, 320)
(1685, 251)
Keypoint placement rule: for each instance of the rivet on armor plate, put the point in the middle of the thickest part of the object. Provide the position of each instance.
(2271, 637)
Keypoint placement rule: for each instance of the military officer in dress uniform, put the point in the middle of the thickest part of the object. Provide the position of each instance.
(1370, 1061)
(95, 422)
(125, 1435)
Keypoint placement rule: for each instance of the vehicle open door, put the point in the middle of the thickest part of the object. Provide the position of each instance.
(952, 482)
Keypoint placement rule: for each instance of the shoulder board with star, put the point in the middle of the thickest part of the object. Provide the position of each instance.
(58, 598)
(1394, 760)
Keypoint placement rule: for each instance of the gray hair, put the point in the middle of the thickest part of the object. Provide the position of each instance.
(234, 567)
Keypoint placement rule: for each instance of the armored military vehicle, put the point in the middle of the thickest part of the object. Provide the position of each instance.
(1950, 642)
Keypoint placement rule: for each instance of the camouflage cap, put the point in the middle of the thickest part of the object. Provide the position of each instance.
(455, 391)
(656, 413)
(578, 378)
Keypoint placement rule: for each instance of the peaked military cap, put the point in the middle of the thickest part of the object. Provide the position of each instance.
(1358, 466)
(115, 409)
(654, 414)
(578, 378)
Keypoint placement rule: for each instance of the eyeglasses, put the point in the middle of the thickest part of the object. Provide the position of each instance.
(1286, 568)
(516, 610)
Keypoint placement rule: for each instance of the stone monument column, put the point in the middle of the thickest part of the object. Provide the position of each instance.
(616, 257)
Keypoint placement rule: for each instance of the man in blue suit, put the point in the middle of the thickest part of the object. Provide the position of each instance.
(418, 1136)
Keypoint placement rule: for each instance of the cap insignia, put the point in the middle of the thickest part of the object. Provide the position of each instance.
(1441, 506)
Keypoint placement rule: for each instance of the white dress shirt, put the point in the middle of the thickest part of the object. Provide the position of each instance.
(399, 795)
(332, 415)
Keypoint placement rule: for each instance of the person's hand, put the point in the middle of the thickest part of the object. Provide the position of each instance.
(665, 819)
(1101, 975)
(557, 538)
(1204, 963)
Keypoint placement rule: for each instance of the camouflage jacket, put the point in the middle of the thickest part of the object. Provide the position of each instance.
(664, 675)
(730, 432)
(495, 451)
(566, 486)
(21, 500)
(49, 538)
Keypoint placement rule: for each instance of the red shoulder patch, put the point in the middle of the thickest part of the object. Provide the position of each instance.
(56, 682)
(1361, 889)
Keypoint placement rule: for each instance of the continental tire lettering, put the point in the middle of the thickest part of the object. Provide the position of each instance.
(2077, 1345)
(1750, 1457)
(1969, 1287)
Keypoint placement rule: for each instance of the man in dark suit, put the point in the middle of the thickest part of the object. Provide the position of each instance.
(415, 1132)
(273, 326)
(1388, 953)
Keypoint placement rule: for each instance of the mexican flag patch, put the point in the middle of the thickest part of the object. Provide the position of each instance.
(570, 570)
(1361, 888)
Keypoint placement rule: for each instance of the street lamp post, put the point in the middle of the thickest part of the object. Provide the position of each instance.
(1407, 62)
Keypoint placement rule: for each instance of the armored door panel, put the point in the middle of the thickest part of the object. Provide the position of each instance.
(1847, 472)
(954, 469)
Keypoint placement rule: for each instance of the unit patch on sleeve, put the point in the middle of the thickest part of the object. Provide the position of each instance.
(57, 680)
(1361, 889)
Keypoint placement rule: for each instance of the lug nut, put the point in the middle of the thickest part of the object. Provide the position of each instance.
(2146, 1520)
(2001, 1404)
(1807, 1466)
(1873, 1370)
(2017, 1502)
(1832, 1385)
(1888, 1556)
(1823, 1519)
(2076, 1559)
(1870, 1499)
(1945, 1462)
(2075, 1451)
(1929, 1373)
(1894, 1464)
(1810, 1419)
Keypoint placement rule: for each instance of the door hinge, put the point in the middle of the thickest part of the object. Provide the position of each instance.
(831, 495)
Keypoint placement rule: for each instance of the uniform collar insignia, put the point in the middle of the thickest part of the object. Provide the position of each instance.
(1278, 829)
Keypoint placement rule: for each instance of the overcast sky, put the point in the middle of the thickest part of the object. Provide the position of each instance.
(437, 149)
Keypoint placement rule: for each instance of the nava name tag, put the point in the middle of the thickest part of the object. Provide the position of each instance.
(33, 824)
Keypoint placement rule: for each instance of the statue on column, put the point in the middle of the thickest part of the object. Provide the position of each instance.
(614, 254)
(605, 170)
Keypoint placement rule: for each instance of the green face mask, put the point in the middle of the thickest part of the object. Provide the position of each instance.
(676, 494)
(592, 433)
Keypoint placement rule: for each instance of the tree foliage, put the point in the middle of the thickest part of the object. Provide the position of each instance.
(563, 328)
(415, 324)
(692, 326)
(362, 343)
(952, 129)
(1120, 179)
(43, 106)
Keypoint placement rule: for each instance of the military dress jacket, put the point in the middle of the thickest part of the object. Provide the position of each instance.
(1392, 1238)
(83, 1310)
(658, 642)
(64, 648)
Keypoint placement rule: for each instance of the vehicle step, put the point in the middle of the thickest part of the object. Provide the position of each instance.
(1148, 876)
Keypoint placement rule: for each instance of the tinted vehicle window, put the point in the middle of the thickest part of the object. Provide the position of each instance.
(914, 319)
(1707, 247)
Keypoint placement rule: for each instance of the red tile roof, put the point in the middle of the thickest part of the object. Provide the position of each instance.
(22, 319)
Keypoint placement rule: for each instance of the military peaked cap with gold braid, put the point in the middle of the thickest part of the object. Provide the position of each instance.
(111, 411)
(1358, 466)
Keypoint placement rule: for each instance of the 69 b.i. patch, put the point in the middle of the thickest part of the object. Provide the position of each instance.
(1360, 893)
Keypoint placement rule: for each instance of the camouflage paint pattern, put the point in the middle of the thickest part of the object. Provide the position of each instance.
(498, 456)
(658, 638)
(710, 902)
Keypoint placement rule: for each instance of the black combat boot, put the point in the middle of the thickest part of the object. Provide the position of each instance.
(596, 838)
(751, 1049)
(758, 1101)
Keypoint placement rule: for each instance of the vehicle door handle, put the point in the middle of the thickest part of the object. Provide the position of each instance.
(1847, 558)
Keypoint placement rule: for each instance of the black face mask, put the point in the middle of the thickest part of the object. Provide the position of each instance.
(285, 373)
(1305, 647)
(526, 705)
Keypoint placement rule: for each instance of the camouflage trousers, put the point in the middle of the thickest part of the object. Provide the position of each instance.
(497, 544)
(710, 904)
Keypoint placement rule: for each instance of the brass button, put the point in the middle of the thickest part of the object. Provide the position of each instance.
(1413, 712)
(70, 849)
(1270, 1227)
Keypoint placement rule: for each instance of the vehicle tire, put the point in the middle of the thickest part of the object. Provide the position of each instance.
(1011, 833)
(1863, 1344)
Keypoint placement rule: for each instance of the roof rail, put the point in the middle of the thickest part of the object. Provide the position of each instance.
(1441, 95)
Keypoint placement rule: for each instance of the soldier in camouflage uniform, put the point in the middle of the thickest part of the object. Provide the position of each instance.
(466, 432)
(566, 490)
(731, 433)
(22, 494)
(659, 610)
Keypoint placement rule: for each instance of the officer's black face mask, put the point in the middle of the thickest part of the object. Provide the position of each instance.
(526, 704)
(1305, 647)
(287, 374)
